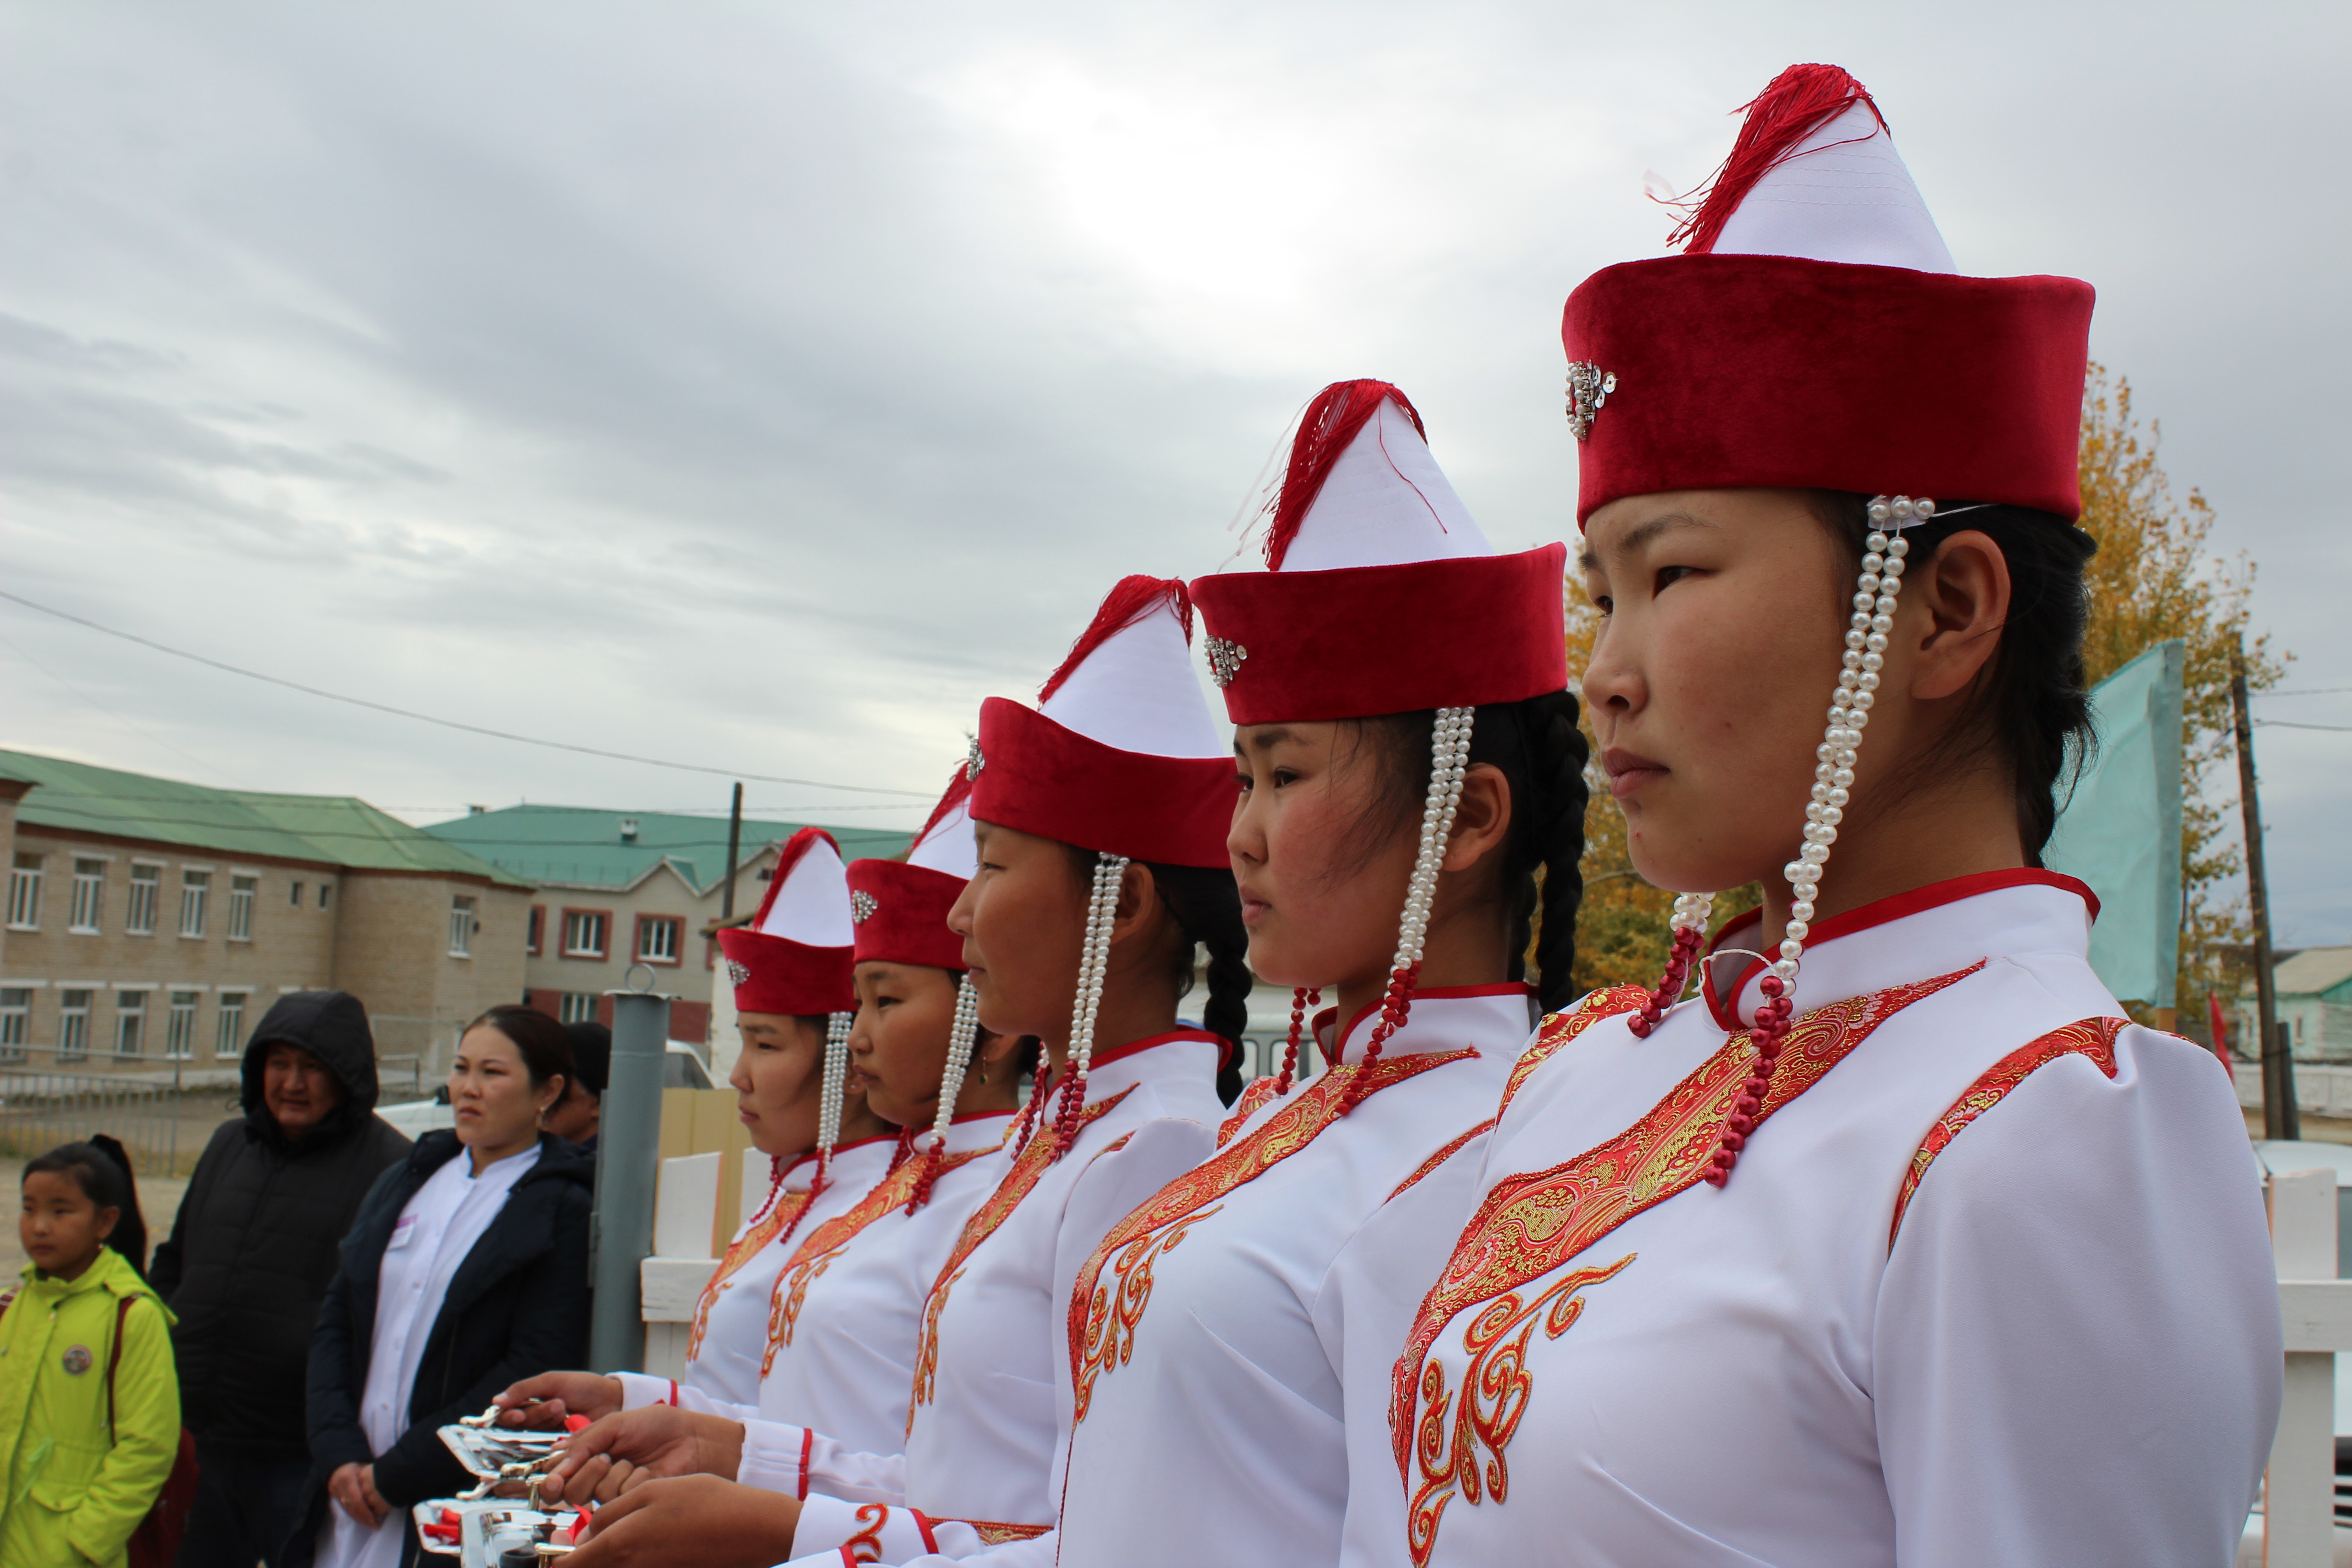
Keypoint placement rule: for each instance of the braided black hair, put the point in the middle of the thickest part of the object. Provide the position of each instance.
(1540, 752)
(2032, 713)
(1207, 909)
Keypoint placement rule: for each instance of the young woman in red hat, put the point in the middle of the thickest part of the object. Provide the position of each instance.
(1099, 820)
(1899, 1243)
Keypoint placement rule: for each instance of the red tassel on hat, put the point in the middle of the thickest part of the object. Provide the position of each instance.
(1130, 601)
(1331, 422)
(1792, 106)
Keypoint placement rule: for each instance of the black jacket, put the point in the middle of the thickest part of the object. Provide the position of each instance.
(517, 1305)
(254, 1246)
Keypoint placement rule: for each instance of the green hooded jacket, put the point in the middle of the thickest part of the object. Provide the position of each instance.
(72, 1497)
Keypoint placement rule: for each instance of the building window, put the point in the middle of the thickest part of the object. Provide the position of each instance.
(130, 1023)
(296, 897)
(89, 896)
(24, 893)
(228, 1034)
(461, 926)
(195, 892)
(536, 933)
(577, 1007)
(16, 1022)
(139, 918)
(241, 893)
(73, 1026)
(326, 891)
(584, 932)
(180, 1029)
(659, 937)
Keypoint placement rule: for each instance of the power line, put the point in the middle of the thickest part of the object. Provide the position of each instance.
(448, 723)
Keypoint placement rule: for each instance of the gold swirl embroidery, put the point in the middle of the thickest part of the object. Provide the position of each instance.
(1533, 1224)
(1101, 1332)
(740, 1251)
(1029, 1167)
(1253, 1098)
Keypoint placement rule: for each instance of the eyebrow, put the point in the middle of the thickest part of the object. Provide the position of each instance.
(1642, 535)
(1264, 740)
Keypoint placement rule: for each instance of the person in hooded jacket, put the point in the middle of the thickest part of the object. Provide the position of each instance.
(249, 1258)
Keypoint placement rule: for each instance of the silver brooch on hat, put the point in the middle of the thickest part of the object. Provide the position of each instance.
(1224, 660)
(1588, 387)
(736, 974)
(973, 761)
(861, 905)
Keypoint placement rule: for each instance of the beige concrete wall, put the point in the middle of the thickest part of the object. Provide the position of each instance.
(393, 952)
(289, 947)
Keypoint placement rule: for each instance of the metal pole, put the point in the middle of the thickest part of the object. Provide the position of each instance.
(2279, 1118)
(628, 1159)
(734, 847)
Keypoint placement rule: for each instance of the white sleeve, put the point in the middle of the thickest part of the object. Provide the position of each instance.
(638, 1390)
(800, 1463)
(2077, 1353)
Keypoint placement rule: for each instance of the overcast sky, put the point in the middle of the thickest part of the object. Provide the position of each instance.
(761, 385)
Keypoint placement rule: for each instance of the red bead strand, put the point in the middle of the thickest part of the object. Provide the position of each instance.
(1303, 998)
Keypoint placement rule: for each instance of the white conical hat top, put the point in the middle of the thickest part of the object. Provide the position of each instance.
(808, 898)
(1129, 683)
(1843, 194)
(948, 844)
(1384, 503)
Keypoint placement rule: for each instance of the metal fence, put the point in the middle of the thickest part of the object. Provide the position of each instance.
(163, 1125)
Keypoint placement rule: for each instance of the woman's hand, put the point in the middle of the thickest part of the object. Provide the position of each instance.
(620, 1452)
(559, 1393)
(353, 1487)
(691, 1518)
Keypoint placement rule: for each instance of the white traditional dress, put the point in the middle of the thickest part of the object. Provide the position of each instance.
(981, 1459)
(729, 1342)
(1990, 1283)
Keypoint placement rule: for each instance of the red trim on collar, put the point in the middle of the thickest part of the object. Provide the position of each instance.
(1135, 1047)
(889, 1137)
(1880, 911)
(1426, 994)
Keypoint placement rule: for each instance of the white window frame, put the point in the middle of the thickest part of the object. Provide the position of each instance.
(672, 931)
(602, 920)
(195, 901)
(26, 874)
(244, 894)
(576, 1007)
(180, 1024)
(16, 1022)
(463, 922)
(73, 1023)
(87, 916)
(228, 1027)
(130, 1022)
(146, 897)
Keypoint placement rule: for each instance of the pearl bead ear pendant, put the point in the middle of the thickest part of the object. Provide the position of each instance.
(962, 1031)
(1093, 965)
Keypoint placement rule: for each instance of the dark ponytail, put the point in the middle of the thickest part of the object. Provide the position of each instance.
(1540, 752)
(102, 1169)
(2031, 713)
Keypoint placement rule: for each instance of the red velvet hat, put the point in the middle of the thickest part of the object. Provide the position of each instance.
(1816, 333)
(1381, 595)
(901, 907)
(1120, 755)
(794, 956)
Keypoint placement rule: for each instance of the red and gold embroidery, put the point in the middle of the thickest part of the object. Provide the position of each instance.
(866, 1546)
(1453, 1147)
(995, 1534)
(1559, 1028)
(1029, 1166)
(1103, 1319)
(1255, 1099)
(741, 1250)
(1537, 1223)
(824, 1244)
(2091, 1037)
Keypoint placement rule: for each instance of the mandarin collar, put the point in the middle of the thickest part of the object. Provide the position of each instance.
(972, 1130)
(1149, 1057)
(1442, 1019)
(1914, 935)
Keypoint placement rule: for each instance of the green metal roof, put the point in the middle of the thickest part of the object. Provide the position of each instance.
(333, 830)
(585, 846)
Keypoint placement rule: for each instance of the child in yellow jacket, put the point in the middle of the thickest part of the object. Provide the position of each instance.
(79, 1477)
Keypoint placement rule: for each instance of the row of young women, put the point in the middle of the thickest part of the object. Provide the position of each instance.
(1896, 1243)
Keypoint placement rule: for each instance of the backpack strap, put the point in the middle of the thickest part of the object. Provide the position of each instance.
(114, 1359)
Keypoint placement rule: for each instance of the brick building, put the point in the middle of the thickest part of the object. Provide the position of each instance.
(618, 888)
(153, 923)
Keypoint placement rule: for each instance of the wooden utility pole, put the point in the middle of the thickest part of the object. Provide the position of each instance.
(2281, 1116)
(734, 847)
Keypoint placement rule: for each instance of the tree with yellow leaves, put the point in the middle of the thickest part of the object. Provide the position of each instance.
(2154, 577)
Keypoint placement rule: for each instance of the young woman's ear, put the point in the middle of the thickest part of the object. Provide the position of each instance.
(1964, 590)
(1138, 902)
(1483, 820)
